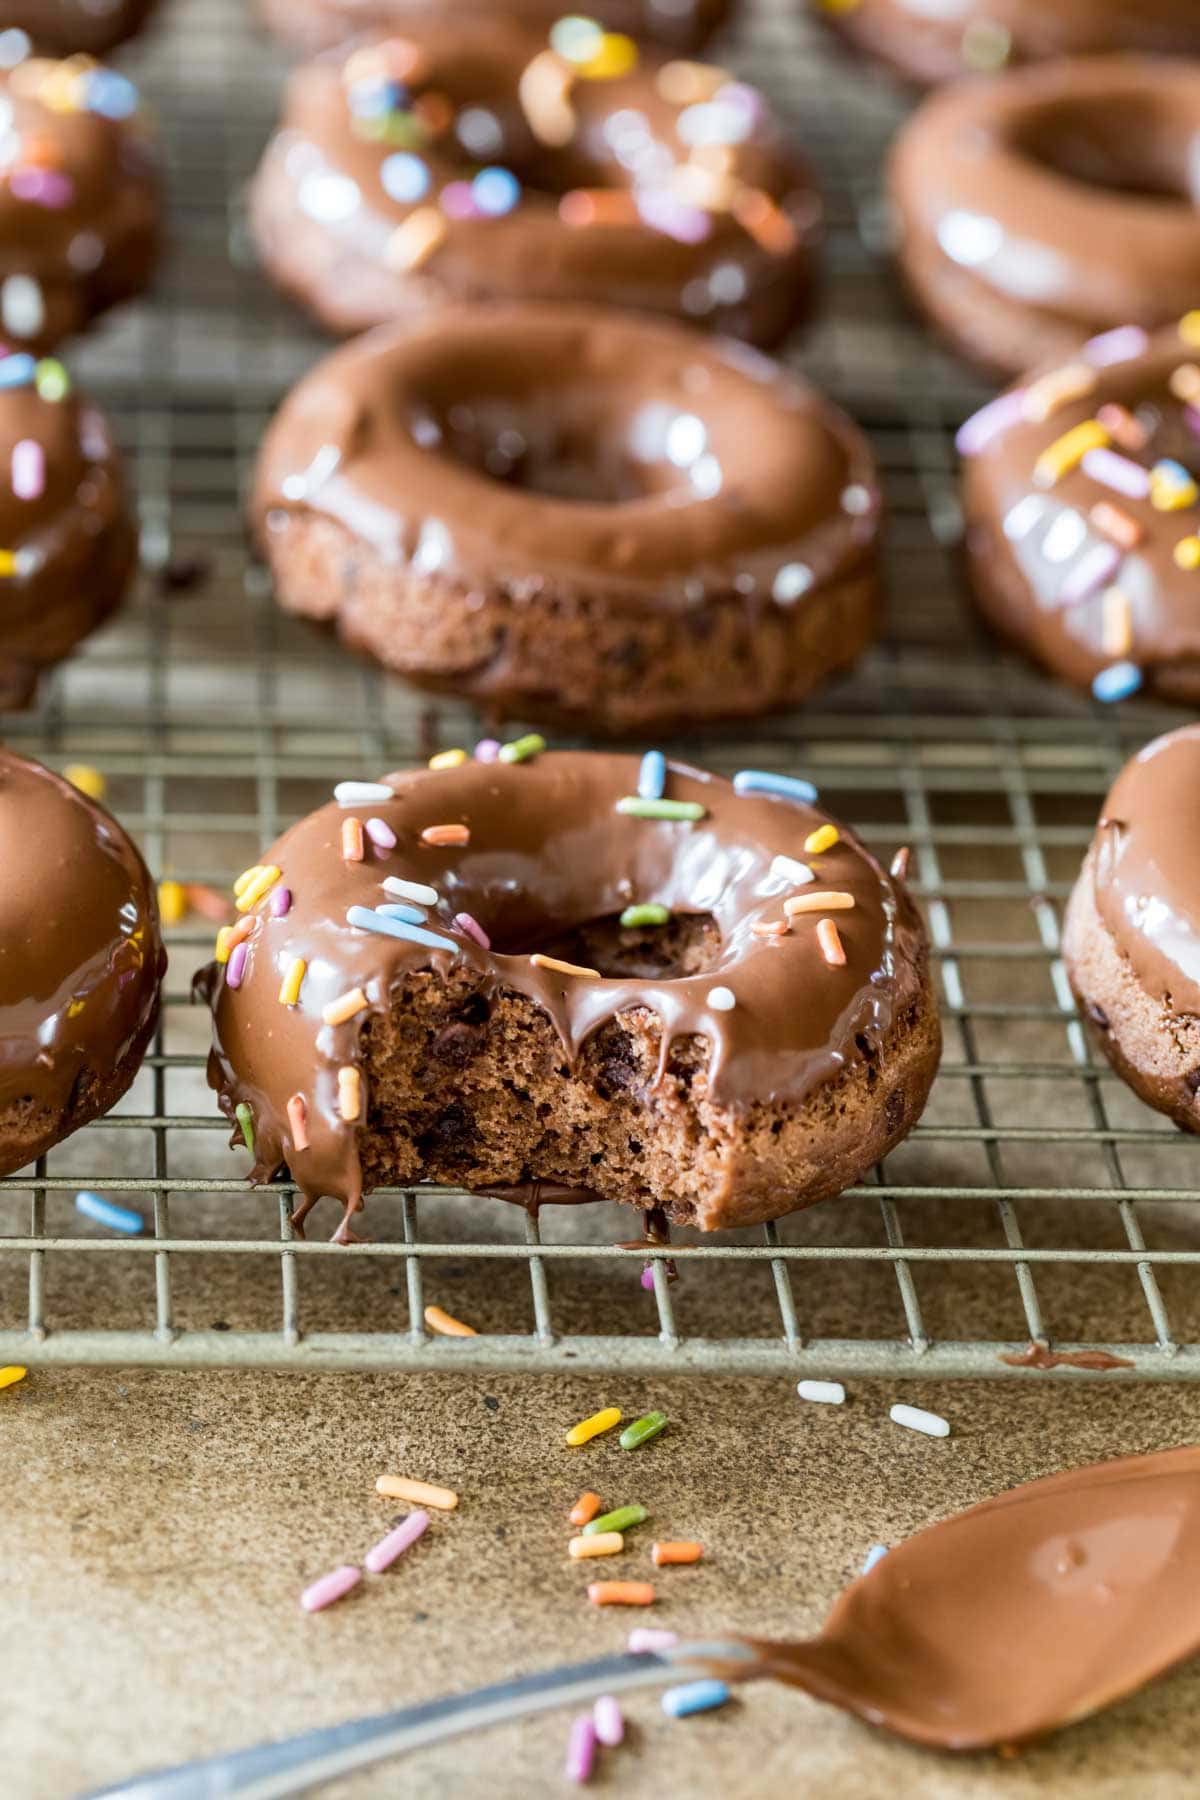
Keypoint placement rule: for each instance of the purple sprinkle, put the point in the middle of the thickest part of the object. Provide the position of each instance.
(1117, 472)
(44, 187)
(663, 212)
(648, 1277)
(235, 968)
(28, 470)
(280, 903)
(1121, 345)
(644, 1638)
(977, 433)
(473, 929)
(1191, 418)
(380, 834)
(1094, 570)
(487, 750)
(581, 1750)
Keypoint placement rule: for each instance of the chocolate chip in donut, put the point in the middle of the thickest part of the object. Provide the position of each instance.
(1053, 202)
(569, 514)
(311, 25)
(498, 165)
(81, 960)
(79, 198)
(68, 542)
(1081, 502)
(67, 27)
(571, 968)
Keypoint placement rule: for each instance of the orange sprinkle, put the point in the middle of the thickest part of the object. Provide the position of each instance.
(1117, 623)
(679, 1552)
(1121, 426)
(421, 1493)
(585, 1508)
(352, 840)
(1120, 526)
(1185, 382)
(206, 901)
(767, 224)
(620, 1593)
(770, 928)
(345, 1007)
(814, 902)
(297, 1113)
(445, 1326)
(441, 835)
(581, 207)
(558, 967)
(830, 941)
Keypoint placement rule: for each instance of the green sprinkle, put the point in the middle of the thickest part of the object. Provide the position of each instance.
(620, 1520)
(642, 1430)
(634, 806)
(651, 913)
(245, 1119)
(521, 749)
(51, 379)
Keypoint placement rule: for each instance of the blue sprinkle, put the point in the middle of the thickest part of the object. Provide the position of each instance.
(495, 191)
(694, 1697)
(874, 1555)
(1117, 682)
(412, 915)
(117, 1218)
(405, 177)
(652, 776)
(786, 787)
(379, 922)
(111, 94)
(17, 371)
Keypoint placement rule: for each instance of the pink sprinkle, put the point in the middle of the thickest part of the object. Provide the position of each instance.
(609, 1721)
(1116, 346)
(28, 470)
(487, 749)
(382, 1555)
(648, 1277)
(979, 430)
(662, 212)
(280, 902)
(581, 1750)
(1094, 570)
(380, 834)
(331, 1587)
(44, 187)
(235, 968)
(1119, 472)
(645, 1638)
(473, 929)
(457, 201)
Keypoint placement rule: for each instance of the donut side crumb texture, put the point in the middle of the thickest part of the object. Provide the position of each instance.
(29, 1127)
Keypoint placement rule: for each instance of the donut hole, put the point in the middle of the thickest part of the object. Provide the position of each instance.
(1136, 149)
(689, 944)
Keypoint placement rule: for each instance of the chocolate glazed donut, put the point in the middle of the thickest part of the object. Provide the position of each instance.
(567, 514)
(312, 25)
(1082, 513)
(927, 43)
(65, 27)
(712, 1001)
(486, 166)
(1052, 202)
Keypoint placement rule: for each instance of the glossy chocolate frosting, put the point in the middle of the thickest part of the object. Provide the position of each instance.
(533, 446)
(79, 198)
(1043, 558)
(81, 959)
(549, 852)
(691, 206)
(1018, 1616)
(64, 27)
(317, 24)
(68, 544)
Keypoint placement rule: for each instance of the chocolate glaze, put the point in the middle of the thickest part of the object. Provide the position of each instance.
(74, 543)
(327, 224)
(63, 27)
(1027, 544)
(549, 852)
(393, 437)
(320, 24)
(79, 199)
(1018, 1616)
(1043, 204)
(930, 44)
(1041, 1356)
(81, 959)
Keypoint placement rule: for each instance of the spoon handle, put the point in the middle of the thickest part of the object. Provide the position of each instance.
(295, 1764)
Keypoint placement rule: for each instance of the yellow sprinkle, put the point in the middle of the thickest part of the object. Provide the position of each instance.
(544, 91)
(810, 901)
(837, 7)
(338, 1011)
(1189, 329)
(89, 781)
(823, 838)
(1043, 398)
(1187, 553)
(245, 878)
(349, 1094)
(446, 1326)
(1067, 452)
(1185, 381)
(9, 1377)
(564, 968)
(8, 562)
(172, 902)
(414, 242)
(601, 1543)
(262, 883)
(1169, 494)
(587, 1429)
(448, 759)
(289, 992)
(1117, 628)
(689, 83)
(224, 943)
(616, 56)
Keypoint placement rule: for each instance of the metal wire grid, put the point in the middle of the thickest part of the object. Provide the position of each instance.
(1036, 1201)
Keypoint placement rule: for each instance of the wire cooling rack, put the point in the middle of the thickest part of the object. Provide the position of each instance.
(1037, 1201)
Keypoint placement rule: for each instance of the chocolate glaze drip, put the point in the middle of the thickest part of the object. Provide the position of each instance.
(80, 955)
(1041, 1356)
(317, 24)
(1018, 1616)
(548, 852)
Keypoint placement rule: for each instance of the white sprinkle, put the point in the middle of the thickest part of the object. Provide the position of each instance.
(932, 1424)
(362, 793)
(856, 500)
(722, 999)
(22, 308)
(875, 1554)
(410, 890)
(793, 580)
(788, 869)
(828, 1393)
